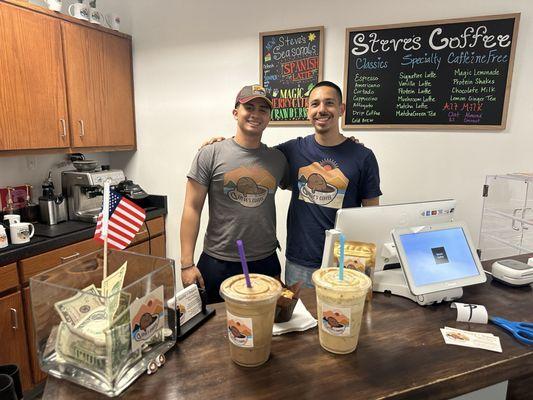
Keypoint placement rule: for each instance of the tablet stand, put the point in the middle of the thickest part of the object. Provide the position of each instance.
(393, 281)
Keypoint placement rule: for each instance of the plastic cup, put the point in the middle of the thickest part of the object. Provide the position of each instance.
(340, 307)
(250, 316)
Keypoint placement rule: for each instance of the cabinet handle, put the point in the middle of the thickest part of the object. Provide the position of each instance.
(82, 128)
(64, 130)
(141, 232)
(63, 259)
(14, 319)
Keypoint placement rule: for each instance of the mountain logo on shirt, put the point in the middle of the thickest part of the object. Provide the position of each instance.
(322, 183)
(249, 185)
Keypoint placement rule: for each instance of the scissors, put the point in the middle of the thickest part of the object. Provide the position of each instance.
(522, 331)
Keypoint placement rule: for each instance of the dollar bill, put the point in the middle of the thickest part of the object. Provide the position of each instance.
(77, 307)
(75, 347)
(122, 318)
(118, 346)
(110, 286)
(94, 324)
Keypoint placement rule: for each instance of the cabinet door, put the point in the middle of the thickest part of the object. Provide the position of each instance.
(33, 108)
(38, 374)
(13, 333)
(118, 114)
(84, 66)
(99, 86)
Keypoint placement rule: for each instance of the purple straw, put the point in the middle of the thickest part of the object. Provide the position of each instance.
(240, 248)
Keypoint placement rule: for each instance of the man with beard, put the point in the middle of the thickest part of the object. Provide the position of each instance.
(327, 171)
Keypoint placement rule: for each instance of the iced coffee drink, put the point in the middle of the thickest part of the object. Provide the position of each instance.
(250, 316)
(340, 305)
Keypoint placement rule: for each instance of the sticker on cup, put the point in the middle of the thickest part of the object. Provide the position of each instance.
(336, 320)
(240, 330)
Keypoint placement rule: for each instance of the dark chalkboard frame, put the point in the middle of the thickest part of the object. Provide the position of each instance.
(262, 35)
(501, 126)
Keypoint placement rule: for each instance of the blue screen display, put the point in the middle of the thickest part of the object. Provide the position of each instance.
(438, 256)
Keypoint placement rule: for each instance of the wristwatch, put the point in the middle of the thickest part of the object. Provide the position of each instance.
(187, 266)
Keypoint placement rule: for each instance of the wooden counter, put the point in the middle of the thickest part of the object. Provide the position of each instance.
(401, 355)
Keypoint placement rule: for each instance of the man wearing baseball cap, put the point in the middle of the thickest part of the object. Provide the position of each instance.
(240, 177)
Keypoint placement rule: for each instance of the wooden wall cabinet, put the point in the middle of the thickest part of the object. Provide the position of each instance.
(33, 104)
(66, 85)
(99, 87)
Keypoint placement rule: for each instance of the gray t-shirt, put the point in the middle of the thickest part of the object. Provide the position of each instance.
(241, 186)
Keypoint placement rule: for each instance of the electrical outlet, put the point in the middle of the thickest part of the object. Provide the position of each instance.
(30, 162)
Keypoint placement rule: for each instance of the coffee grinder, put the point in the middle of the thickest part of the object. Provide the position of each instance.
(53, 207)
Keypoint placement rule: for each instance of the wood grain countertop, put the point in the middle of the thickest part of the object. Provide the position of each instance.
(401, 355)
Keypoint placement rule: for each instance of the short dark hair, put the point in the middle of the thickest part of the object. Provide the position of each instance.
(328, 84)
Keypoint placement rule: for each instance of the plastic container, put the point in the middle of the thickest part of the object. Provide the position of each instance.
(88, 338)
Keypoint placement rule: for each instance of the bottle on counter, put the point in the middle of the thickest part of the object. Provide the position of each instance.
(30, 212)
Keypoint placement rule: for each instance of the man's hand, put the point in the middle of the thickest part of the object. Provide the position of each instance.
(355, 140)
(192, 275)
(212, 140)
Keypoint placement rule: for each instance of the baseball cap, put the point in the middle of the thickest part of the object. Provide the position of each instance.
(251, 92)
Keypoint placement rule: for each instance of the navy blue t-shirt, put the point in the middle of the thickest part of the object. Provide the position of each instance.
(324, 179)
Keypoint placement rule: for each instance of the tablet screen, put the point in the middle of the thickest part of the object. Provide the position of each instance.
(438, 256)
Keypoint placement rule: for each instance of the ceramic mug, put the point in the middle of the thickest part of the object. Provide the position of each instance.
(79, 10)
(21, 232)
(95, 16)
(54, 5)
(11, 219)
(3, 237)
(113, 21)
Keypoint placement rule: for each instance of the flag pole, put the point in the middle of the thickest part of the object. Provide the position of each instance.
(105, 221)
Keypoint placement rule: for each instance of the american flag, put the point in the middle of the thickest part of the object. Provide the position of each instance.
(125, 220)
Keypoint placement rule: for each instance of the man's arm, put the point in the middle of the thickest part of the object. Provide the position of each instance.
(190, 225)
(370, 202)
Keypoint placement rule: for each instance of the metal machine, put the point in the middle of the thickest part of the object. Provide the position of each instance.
(84, 191)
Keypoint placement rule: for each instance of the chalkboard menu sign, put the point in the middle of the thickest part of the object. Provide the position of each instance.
(291, 64)
(451, 74)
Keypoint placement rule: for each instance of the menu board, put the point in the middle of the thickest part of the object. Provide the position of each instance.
(291, 64)
(451, 74)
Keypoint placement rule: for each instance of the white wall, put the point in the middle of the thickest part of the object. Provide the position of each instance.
(190, 59)
(33, 170)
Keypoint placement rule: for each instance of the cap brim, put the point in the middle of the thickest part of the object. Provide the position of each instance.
(245, 100)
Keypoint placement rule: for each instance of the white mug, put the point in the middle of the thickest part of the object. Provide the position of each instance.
(21, 232)
(81, 11)
(113, 21)
(95, 16)
(12, 218)
(3, 237)
(54, 5)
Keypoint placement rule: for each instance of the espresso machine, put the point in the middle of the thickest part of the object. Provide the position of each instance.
(84, 191)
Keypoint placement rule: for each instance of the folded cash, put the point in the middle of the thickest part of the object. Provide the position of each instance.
(94, 324)
(111, 285)
(118, 346)
(77, 307)
(73, 346)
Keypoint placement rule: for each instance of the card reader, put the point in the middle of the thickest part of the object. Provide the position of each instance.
(512, 272)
